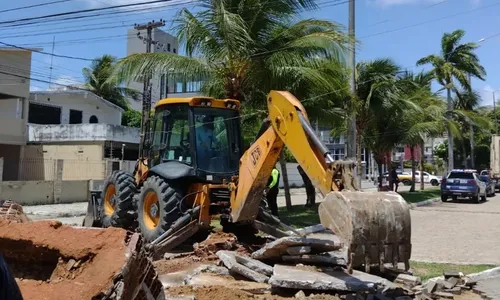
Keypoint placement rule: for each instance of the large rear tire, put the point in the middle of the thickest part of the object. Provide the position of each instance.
(117, 200)
(159, 206)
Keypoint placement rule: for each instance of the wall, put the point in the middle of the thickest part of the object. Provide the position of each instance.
(88, 103)
(18, 62)
(80, 162)
(13, 120)
(44, 192)
(82, 133)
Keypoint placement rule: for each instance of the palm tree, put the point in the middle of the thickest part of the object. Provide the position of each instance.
(455, 63)
(99, 78)
(245, 48)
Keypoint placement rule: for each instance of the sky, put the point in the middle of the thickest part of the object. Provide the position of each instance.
(404, 30)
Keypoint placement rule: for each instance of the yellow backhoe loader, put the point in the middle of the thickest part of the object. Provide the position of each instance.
(193, 168)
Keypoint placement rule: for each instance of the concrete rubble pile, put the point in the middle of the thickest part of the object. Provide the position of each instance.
(448, 286)
(311, 264)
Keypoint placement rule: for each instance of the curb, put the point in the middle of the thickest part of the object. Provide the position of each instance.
(425, 202)
(486, 274)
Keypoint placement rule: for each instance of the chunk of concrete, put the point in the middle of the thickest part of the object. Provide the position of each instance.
(279, 247)
(431, 286)
(298, 250)
(455, 291)
(444, 295)
(456, 274)
(296, 278)
(408, 280)
(451, 282)
(254, 264)
(229, 260)
(326, 258)
(309, 229)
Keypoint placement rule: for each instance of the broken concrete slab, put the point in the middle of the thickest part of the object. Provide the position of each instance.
(309, 229)
(444, 295)
(254, 264)
(229, 260)
(277, 248)
(408, 280)
(455, 291)
(325, 258)
(431, 286)
(451, 282)
(297, 278)
(298, 250)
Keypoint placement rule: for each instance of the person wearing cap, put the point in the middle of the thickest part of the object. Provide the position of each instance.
(272, 191)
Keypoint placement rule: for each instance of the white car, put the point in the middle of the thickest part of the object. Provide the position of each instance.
(428, 178)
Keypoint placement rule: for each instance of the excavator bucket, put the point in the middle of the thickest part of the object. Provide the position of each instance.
(375, 226)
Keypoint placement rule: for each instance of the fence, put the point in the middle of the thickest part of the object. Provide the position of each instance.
(46, 169)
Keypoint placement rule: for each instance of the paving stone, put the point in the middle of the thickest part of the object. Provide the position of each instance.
(315, 259)
(408, 280)
(229, 260)
(295, 278)
(278, 248)
(298, 250)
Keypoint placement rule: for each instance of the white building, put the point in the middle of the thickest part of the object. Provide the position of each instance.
(15, 73)
(163, 85)
(80, 128)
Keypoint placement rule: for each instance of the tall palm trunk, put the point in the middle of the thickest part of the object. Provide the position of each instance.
(358, 159)
(413, 169)
(284, 174)
(380, 174)
(450, 137)
(472, 158)
(389, 168)
(464, 157)
(422, 166)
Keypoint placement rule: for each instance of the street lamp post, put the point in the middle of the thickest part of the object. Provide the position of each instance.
(494, 108)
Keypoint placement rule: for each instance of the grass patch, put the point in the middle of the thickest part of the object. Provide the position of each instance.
(300, 216)
(419, 196)
(430, 270)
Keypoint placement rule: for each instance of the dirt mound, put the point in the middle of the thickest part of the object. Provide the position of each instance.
(11, 211)
(215, 241)
(53, 261)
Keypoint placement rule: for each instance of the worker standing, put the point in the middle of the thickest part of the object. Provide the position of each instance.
(310, 190)
(273, 190)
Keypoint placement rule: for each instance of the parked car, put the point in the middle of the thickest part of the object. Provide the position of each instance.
(494, 181)
(404, 177)
(428, 178)
(463, 184)
(490, 185)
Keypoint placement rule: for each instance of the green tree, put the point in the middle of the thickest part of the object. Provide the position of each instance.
(454, 64)
(99, 79)
(244, 48)
(131, 118)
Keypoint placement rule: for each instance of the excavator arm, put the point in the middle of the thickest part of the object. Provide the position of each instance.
(374, 226)
(287, 124)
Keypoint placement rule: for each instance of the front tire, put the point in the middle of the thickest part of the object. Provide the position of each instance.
(444, 198)
(434, 182)
(159, 206)
(117, 200)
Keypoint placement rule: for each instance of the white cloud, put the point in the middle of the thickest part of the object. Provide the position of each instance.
(487, 95)
(63, 82)
(35, 89)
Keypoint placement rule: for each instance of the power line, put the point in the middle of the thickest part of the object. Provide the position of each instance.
(47, 53)
(83, 11)
(34, 5)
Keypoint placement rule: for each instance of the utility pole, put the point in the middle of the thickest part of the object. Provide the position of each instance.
(351, 134)
(495, 113)
(146, 95)
(51, 60)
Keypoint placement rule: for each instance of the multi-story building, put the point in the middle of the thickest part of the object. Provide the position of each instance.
(15, 73)
(80, 128)
(166, 84)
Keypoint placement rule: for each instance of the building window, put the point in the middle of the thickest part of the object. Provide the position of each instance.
(175, 51)
(75, 116)
(93, 120)
(168, 47)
